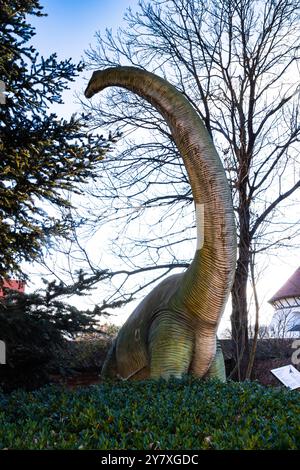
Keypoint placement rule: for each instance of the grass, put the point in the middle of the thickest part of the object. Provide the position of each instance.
(186, 414)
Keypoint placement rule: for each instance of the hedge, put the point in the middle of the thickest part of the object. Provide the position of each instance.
(178, 414)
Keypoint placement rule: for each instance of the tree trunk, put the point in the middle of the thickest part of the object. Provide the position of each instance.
(239, 320)
(256, 326)
(239, 315)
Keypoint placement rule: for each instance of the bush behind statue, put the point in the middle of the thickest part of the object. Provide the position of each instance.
(34, 326)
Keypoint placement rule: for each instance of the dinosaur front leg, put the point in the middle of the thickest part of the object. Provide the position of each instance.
(171, 344)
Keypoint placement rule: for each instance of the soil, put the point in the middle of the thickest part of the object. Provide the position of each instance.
(82, 379)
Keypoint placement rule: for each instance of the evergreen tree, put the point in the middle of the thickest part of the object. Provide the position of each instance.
(42, 158)
(36, 326)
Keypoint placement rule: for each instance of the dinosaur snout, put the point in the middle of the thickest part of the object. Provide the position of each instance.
(94, 85)
(89, 92)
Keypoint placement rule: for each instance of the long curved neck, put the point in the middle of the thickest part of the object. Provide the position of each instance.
(207, 282)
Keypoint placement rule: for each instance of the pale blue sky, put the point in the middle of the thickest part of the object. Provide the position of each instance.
(71, 24)
(69, 30)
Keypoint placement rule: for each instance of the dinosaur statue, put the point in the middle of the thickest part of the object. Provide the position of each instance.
(173, 330)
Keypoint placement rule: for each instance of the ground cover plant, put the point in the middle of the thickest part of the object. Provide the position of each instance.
(178, 414)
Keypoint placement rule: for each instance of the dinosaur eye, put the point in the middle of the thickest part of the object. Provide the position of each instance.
(137, 335)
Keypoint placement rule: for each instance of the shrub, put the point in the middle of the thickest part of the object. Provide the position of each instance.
(33, 327)
(178, 414)
(81, 355)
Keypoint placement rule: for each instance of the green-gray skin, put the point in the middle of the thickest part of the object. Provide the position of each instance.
(173, 330)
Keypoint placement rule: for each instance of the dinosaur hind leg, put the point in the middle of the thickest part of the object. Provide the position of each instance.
(170, 346)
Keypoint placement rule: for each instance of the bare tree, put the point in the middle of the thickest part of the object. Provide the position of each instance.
(282, 323)
(256, 322)
(237, 61)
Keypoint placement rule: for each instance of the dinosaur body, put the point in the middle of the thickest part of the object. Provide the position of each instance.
(173, 330)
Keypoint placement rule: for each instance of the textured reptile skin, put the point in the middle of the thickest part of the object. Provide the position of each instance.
(173, 330)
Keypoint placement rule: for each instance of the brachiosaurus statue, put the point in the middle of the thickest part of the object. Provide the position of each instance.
(173, 330)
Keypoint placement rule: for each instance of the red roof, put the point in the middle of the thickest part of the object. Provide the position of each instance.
(290, 289)
(13, 284)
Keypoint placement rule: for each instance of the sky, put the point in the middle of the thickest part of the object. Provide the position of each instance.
(68, 30)
(71, 24)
